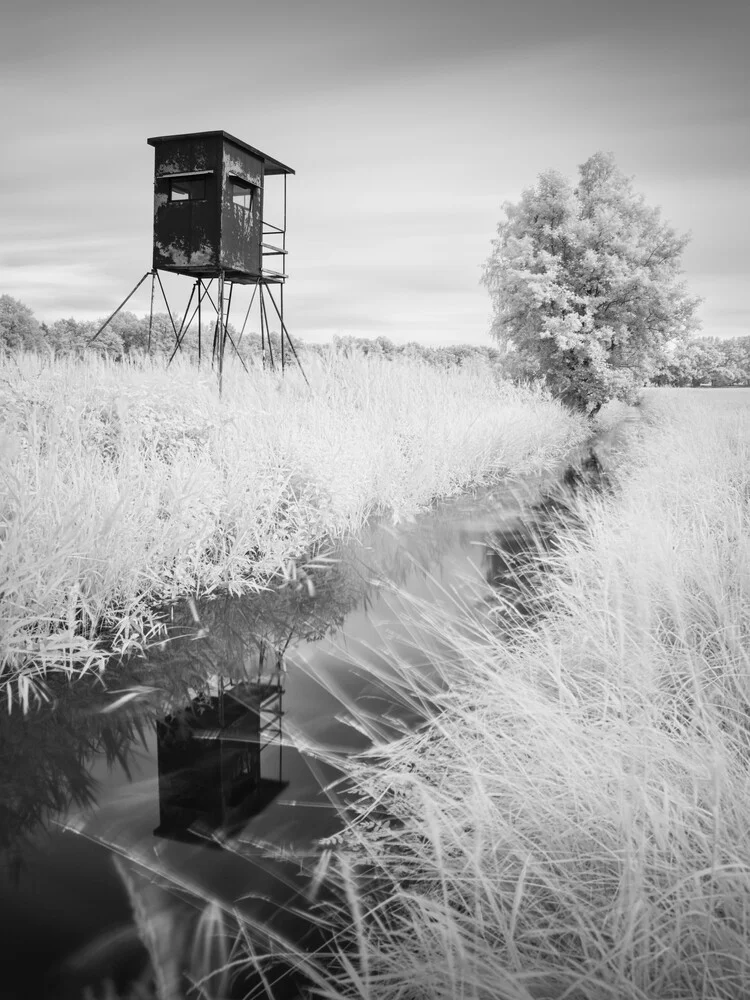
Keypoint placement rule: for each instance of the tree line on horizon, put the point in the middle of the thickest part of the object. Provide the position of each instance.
(697, 361)
(128, 335)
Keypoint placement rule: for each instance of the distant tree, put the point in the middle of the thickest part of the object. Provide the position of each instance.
(309, 349)
(162, 341)
(350, 345)
(585, 284)
(678, 365)
(730, 367)
(415, 351)
(738, 355)
(386, 346)
(706, 359)
(713, 363)
(72, 336)
(134, 333)
(126, 324)
(19, 329)
(68, 336)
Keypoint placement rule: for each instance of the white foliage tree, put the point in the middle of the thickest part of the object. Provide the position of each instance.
(586, 284)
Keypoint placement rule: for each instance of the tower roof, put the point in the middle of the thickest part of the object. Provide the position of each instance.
(270, 164)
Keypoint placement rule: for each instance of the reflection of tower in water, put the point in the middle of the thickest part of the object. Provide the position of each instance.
(220, 757)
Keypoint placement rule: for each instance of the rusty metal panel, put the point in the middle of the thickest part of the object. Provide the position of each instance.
(241, 211)
(187, 233)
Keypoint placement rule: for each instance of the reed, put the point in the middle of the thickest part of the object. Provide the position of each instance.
(127, 485)
(572, 820)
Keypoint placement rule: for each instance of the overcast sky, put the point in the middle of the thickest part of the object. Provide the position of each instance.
(408, 123)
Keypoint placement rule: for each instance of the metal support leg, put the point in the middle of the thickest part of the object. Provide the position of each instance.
(164, 296)
(109, 319)
(264, 322)
(226, 315)
(285, 332)
(151, 311)
(182, 332)
(262, 330)
(219, 333)
(247, 314)
(200, 296)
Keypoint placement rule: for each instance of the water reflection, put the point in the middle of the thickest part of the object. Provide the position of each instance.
(192, 765)
(210, 754)
(45, 760)
(517, 557)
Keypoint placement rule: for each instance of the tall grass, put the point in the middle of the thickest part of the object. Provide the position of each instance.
(572, 823)
(126, 485)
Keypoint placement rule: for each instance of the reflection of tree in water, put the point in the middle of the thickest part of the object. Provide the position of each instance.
(45, 758)
(46, 755)
(237, 638)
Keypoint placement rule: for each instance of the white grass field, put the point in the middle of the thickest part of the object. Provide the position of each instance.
(573, 822)
(125, 485)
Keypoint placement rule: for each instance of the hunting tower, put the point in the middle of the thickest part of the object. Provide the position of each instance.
(208, 208)
(210, 225)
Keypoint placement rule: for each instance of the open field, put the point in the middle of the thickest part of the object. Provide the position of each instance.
(573, 821)
(126, 485)
(727, 397)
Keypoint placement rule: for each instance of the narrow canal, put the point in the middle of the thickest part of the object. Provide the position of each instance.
(190, 783)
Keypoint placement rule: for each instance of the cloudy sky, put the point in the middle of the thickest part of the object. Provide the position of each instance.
(408, 123)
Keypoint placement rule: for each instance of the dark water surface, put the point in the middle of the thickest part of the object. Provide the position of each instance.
(170, 801)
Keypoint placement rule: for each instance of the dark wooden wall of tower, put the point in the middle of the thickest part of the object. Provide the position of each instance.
(187, 233)
(241, 223)
(218, 225)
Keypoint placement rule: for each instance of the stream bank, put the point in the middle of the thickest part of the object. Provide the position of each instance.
(552, 815)
(132, 773)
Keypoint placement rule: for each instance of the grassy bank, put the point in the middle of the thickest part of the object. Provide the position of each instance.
(125, 485)
(573, 823)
